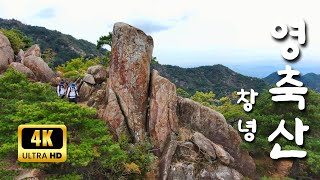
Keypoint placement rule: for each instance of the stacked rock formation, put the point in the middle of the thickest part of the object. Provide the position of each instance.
(192, 141)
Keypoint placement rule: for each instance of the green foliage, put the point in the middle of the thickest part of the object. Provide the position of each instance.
(106, 59)
(65, 177)
(92, 152)
(154, 61)
(48, 56)
(139, 154)
(183, 93)
(104, 40)
(268, 115)
(206, 99)
(17, 39)
(5, 172)
(77, 67)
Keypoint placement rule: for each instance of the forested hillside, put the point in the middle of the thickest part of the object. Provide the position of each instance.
(218, 78)
(65, 46)
(310, 80)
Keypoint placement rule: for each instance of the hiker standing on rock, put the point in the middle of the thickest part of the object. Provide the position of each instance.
(72, 93)
(61, 89)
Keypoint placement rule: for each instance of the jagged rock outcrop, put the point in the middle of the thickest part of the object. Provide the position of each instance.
(114, 117)
(41, 69)
(130, 73)
(191, 141)
(98, 72)
(220, 172)
(204, 144)
(162, 117)
(211, 124)
(212, 149)
(166, 158)
(23, 69)
(6, 53)
(34, 50)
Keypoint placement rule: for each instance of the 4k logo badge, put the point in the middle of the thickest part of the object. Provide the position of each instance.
(42, 143)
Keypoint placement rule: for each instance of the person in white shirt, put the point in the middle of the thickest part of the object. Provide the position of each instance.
(61, 90)
(72, 93)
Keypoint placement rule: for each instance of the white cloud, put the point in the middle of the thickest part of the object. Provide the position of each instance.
(185, 32)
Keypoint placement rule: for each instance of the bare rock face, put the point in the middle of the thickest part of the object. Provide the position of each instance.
(34, 50)
(162, 117)
(129, 74)
(204, 144)
(20, 56)
(187, 151)
(213, 125)
(97, 98)
(166, 158)
(114, 117)
(39, 68)
(6, 53)
(23, 69)
(220, 172)
(98, 72)
(85, 91)
(182, 171)
(88, 78)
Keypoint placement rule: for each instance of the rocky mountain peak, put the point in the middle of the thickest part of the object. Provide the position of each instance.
(191, 140)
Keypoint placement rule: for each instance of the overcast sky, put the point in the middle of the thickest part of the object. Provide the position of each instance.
(186, 33)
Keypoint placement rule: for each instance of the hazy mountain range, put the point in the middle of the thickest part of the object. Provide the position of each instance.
(218, 78)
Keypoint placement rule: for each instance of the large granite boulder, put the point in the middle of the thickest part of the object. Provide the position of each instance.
(211, 124)
(6, 53)
(98, 72)
(23, 69)
(130, 73)
(85, 91)
(162, 117)
(41, 69)
(34, 50)
(88, 78)
(166, 157)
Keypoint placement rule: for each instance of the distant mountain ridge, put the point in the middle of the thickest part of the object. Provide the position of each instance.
(217, 78)
(66, 46)
(310, 80)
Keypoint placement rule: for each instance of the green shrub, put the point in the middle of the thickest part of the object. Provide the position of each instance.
(92, 152)
(77, 67)
(17, 39)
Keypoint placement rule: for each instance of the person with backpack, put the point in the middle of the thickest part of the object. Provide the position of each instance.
(61, 89)
(72, 93)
